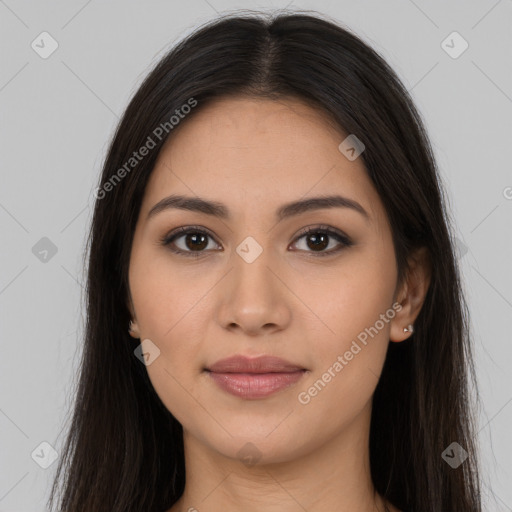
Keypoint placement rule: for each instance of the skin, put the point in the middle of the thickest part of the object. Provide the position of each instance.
(254, 155)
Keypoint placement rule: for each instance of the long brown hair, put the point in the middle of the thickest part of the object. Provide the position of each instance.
(124, 449)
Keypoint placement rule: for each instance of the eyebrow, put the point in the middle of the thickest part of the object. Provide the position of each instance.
(216, 209)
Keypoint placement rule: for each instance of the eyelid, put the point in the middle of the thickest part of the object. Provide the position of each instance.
(344, 240)
(323, 228)
(167, 239)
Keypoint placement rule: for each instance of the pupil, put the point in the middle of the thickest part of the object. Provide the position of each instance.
(319, 241)
(195, 236)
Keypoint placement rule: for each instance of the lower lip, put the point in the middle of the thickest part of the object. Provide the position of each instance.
(255, 385)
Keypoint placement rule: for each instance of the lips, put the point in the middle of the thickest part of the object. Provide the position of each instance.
(254, 378)
(261, 364)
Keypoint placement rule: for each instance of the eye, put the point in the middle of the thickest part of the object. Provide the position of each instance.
(195, 239)
(319, 237)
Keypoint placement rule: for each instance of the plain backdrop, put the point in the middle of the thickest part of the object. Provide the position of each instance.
(58, 114)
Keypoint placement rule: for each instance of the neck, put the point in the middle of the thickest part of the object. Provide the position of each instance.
(333, 476)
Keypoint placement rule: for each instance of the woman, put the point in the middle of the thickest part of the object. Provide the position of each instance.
(274, 312)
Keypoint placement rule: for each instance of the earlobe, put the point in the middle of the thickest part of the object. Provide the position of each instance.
(415, 290)
(401, 327)
(133, 329)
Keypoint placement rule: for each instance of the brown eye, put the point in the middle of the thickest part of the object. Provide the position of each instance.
(194, 242)
(320, 237)
(318, 241)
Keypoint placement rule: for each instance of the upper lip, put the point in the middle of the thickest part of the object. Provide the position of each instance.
(261, 364)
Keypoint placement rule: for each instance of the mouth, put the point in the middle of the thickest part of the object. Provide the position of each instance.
(252, 386)
(253, 378)
(260, 364)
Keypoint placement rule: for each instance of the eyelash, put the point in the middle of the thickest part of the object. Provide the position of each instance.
(326, 230)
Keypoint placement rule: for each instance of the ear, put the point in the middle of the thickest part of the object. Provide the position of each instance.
(133, 328)
(412, 293)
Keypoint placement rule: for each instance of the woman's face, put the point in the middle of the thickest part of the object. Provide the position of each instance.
(250, 283)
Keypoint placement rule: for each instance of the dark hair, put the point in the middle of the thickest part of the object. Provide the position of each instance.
(124, 449)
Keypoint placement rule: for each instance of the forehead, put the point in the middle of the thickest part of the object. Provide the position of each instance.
(250, 152)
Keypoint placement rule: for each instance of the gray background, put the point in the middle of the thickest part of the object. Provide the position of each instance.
(58, 114)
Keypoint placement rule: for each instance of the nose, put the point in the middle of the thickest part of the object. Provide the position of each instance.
(254, 298)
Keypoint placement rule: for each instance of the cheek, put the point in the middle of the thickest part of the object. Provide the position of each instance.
(347, 367)
(173, 310)
(352, 296)
(162, 292)
(355, 306)
(172, 316)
